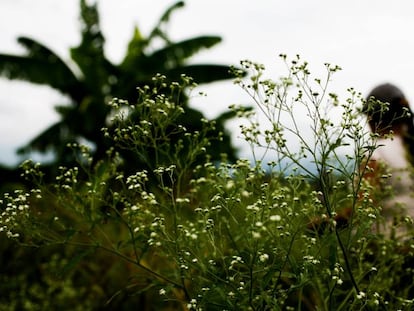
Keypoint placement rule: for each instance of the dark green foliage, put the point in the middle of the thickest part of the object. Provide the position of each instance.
(186, 233)
(92, 80)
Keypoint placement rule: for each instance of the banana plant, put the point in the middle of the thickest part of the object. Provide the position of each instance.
(89, 80)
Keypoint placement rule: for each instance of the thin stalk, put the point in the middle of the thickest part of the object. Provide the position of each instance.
(347, 264)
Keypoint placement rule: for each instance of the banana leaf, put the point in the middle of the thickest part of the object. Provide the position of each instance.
(41, 66)
(176, 53)
(39, 71)
(157, 31)
(202, 73)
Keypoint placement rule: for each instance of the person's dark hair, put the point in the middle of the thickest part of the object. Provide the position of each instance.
(387, 109)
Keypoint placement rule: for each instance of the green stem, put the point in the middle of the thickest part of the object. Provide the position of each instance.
(347, 264)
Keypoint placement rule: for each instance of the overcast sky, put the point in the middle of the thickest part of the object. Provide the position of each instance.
(370, 39)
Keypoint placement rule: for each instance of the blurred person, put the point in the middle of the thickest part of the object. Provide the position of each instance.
(390, 116)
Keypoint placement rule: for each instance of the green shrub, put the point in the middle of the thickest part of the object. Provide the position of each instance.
(189, 234)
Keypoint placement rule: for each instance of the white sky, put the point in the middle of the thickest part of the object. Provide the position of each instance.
(370, 39)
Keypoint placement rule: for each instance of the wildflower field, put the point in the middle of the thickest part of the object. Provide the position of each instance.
(303, 231)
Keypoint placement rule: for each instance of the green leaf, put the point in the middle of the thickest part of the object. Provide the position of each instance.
(135, 51)
(225, 116)
(166, 16)
(41, 66)
(157, 31)
(174, 54)
(46, 139)
(201, 73)
(38, 51)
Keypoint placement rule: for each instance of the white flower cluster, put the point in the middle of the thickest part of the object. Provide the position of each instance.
(14, 208)
(68, 177)
(136, 181)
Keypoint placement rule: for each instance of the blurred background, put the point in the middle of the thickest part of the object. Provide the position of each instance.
(371, 40)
